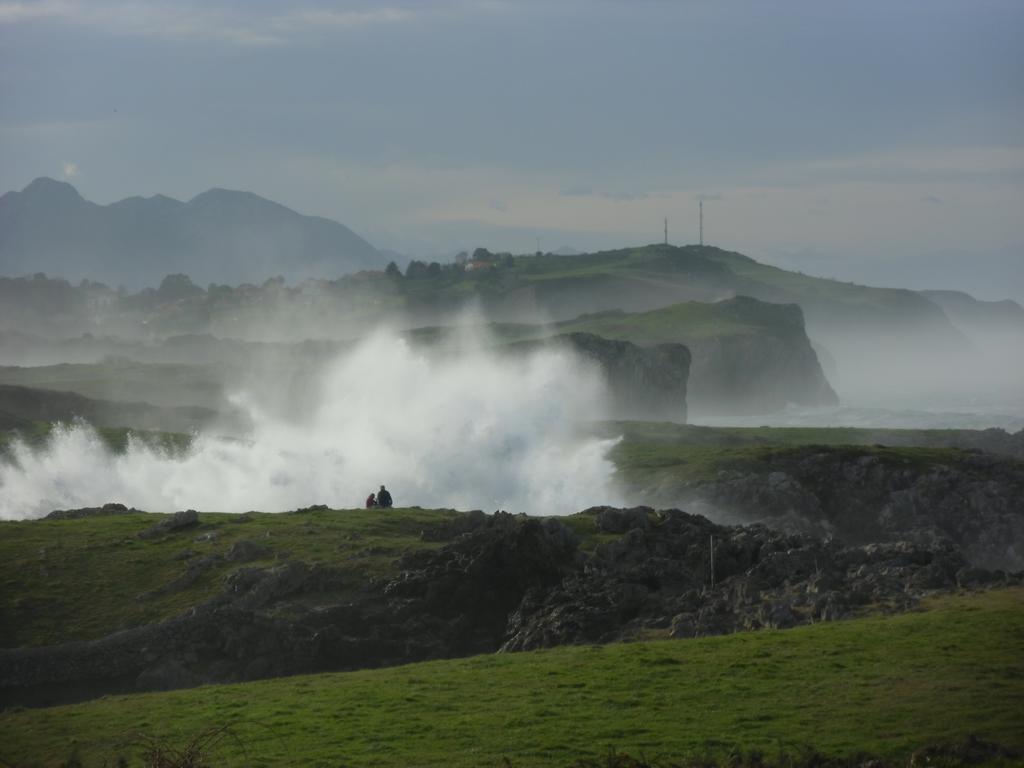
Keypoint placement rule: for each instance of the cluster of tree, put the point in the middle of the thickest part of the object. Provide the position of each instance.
(464, 261)
(39, 299)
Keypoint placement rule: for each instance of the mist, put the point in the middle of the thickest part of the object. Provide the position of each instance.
(467, 430)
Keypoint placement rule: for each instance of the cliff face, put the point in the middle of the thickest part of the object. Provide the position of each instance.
(755, 374)
(865, 494)
(645, 383)
(747, 355)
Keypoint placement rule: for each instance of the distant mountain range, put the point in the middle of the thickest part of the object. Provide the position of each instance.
(220, 236)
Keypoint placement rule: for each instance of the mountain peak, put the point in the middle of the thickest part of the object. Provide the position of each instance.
(46, 188)
(237, 202)
(221, 236)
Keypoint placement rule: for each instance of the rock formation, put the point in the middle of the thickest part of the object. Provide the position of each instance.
(646, 383)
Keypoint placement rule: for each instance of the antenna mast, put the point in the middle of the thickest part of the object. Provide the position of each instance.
(702, 222)
(666, 230)
(712, 549)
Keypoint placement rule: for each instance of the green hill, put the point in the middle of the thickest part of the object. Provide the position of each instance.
(693, 320)
(80, 579)
(885, 686)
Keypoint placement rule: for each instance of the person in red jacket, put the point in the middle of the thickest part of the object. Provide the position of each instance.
(371, 501)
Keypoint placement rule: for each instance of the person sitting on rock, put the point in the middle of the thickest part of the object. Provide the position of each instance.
(384, 498)
(371, 501)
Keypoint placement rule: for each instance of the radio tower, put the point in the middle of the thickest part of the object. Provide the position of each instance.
(701, 207)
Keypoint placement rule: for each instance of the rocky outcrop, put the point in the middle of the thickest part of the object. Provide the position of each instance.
(498, 582)
(660, 576)
(187, 518)
(645, 383)
(974, 500)
(748, 356)
(763, 370)
(112, 508)
(755, 374)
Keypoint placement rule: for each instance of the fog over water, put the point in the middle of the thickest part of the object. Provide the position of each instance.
(910, 414)
(892, 383)
(466, 431)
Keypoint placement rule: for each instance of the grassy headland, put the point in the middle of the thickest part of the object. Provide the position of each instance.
(688, 454)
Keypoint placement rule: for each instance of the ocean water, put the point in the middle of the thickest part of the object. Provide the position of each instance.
(952, 412)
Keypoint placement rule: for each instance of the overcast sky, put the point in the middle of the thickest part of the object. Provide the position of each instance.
(862, 132)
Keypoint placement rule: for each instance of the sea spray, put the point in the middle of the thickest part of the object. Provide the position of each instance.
(471, 429)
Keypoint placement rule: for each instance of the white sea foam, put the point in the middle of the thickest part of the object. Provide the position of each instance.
(470, 430)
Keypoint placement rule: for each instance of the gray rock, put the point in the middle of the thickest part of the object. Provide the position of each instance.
(245, 551)
(612, 520)
(78, 514)
(176, 522)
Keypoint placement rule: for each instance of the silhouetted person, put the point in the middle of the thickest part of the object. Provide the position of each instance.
(384, 498)
(371, 501)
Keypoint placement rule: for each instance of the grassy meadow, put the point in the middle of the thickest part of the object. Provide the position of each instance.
(663, 460)
(64, 580)
(881, 685)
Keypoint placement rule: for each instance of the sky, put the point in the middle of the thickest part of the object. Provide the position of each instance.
(873, 140)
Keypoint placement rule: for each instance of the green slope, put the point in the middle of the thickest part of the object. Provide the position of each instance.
(693, 320)
(63, 580)
(882, 685)
(665, 458)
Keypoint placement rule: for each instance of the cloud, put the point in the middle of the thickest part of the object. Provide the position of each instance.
(255, 24)
(626, 196)
(932, 199)
(70, 170)
(498, 205)
(619, 196)
(15, 12)
(950, 164)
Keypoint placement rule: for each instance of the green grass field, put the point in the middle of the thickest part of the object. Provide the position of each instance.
(882, 685)
(64, 580)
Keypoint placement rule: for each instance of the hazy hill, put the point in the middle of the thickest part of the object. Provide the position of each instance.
(882, 339)
(218, 236)
(21, 405)
(973, 314)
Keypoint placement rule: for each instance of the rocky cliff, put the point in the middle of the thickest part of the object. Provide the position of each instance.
(868, 494)
(747, 355)
(645, 383)
(755, 374)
